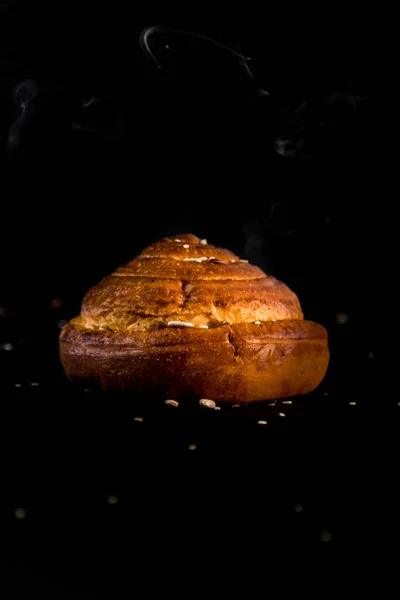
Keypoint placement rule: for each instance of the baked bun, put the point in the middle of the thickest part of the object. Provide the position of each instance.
(188, 318)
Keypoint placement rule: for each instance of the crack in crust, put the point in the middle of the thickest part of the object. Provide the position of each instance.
(231, 338)
(186, 289)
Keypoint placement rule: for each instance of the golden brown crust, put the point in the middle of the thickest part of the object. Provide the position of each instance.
(76, 333)
(118, 303)
(231, 363)
(183, 279)
(222, 330)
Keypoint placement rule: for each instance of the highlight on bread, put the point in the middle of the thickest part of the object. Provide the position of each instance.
(186, 318)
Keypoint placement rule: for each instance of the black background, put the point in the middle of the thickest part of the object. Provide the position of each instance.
(191, 147)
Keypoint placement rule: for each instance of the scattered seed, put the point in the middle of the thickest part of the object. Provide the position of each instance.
(371, 355)
(179, 324)
(325, 536)
(186, 245)
(139, 419)
(282, 415)
(18, 385)
(172, 403)
(20, 513)
(35, 384)
(261, 422)
(87, 390)
(203, 326)
(233, 260)
(326, 394)
(257, 322)
(207, 403)
(200, 259)
(352, 403)
(217, 408)
(112, 499)
(204, 242)
(287, 402)
(342, 318)
(177, 240)
(192, 447)
(298, 508)
(235, 405)
(272, 404)
(243, 260)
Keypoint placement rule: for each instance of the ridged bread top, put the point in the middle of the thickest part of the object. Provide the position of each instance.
(186, 280)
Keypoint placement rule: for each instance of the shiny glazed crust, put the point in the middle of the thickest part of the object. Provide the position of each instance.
(210, 326)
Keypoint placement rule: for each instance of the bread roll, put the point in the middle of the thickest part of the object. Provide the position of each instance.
(186, 318)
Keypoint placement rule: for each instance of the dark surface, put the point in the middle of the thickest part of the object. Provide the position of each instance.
(188, 148)
(232, 502)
